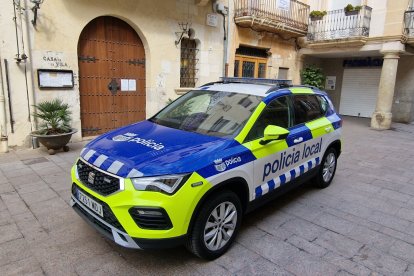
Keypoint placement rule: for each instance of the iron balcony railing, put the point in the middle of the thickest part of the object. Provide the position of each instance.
(409, 22)
(337, 24)
(286, 15)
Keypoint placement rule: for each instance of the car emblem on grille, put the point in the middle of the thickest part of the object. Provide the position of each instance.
(91, 177)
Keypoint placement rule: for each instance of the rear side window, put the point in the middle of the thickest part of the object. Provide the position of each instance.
(307, 108)
(323, 103)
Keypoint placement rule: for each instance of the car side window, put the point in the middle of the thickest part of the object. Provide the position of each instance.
(277, 112)
(307, 108)
(323, 103)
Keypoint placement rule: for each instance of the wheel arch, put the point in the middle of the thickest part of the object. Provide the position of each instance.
(238, 185)
(337, 145)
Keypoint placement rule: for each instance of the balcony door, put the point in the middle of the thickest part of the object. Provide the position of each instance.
(250, 67)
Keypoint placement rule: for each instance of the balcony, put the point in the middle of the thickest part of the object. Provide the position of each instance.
(409, 25)
(289, 17)
(336, 27)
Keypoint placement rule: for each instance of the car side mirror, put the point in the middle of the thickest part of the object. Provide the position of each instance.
(273, 133)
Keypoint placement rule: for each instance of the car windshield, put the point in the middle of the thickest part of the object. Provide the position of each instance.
(214, 113)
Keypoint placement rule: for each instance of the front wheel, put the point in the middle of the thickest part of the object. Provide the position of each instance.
(327, 170)
(216, 226)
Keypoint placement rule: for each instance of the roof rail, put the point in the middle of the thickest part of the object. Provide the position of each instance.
(255, 81)
(275, 88)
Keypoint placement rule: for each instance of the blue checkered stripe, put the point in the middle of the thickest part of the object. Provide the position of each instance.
(107, 164)
(286, 177)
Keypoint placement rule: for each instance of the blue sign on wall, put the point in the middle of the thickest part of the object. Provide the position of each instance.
(363, 62)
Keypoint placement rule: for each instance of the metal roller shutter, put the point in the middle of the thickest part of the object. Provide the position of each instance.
(359, 91)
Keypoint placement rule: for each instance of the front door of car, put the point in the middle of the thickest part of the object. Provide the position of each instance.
(273, 159)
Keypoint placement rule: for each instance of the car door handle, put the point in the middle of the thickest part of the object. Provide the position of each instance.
(300, 139)
(328, 129)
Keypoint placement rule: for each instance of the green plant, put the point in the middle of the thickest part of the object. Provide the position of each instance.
(314, 76)
(317, 13)
(54, 116)
(350, 8)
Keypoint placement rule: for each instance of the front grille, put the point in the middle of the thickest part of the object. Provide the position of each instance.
(97, 181)
(151, 221)
(108, 216)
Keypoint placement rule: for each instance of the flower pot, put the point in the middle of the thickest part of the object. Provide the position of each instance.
(316, 18)
(354, 12)
(54, 142)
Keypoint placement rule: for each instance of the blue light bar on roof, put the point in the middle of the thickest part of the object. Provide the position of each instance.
(256, 81)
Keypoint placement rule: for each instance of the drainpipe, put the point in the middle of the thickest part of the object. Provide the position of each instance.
(30, 86)
(224, 11)
(4, 147)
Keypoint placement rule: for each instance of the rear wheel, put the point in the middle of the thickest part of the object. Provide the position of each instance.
(327, 169)
(216, 226)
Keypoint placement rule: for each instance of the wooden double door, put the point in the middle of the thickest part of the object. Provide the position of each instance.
(111, 60)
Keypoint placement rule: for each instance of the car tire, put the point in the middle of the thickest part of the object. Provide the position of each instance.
(219, 218)
(327, 169)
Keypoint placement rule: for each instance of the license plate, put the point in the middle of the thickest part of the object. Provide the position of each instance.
(89, 202)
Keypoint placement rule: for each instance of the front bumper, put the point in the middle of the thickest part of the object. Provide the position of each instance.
(118, 236)
(117, 223)
(102, 226)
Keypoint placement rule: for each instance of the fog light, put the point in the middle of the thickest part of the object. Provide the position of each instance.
(149, 212)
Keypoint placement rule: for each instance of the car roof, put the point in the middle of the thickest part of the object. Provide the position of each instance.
(243, 88)
(259, 89)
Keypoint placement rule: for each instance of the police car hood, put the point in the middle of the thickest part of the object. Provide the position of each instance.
(148, 149)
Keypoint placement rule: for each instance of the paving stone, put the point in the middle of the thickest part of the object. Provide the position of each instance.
(107, 264)
(303, 263)
(30, 227)
(23, 173)
(306, 246)
(393, 195)
(9, 232)
(406, 214)
(409, 271)
(14, 250)
(249, 235)
(209, 268)
(261, 267)
(28, 266)
(30, 187)
(389, 221)
(236, 257)
(372, 238)
(346, 264)
(380, 261)
(303, 228)
(6, 188)
(17, 180)
(275, 250)
(403, 250)
(38, 196)
(334, 223)
(5, 218)
(338, 243)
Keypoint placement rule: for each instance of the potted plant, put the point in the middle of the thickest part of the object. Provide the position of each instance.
(312, 75)
(352, 10)
(55, 130)
(317, 15)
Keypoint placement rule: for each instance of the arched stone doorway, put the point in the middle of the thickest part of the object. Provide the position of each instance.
(111, 60)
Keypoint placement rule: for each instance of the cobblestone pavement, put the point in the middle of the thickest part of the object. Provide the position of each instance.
(363, 224)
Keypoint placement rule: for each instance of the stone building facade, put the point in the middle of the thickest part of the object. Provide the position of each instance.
(119, 61)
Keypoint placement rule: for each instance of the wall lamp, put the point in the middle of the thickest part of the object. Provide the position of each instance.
(36, 6)
(185, 30)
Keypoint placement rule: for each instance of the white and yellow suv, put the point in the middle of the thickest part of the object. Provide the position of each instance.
(190, 173)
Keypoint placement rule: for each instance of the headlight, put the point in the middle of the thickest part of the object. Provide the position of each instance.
(165, 184)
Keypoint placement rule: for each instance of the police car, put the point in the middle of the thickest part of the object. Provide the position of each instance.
(191, 172)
